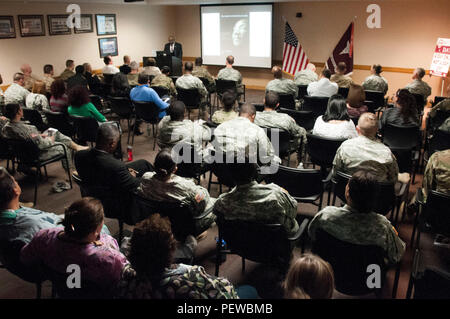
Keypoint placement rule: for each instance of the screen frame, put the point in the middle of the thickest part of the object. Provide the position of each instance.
(235, 4)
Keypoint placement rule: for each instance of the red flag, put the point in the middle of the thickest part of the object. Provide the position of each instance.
(294, 57)
(343, 52)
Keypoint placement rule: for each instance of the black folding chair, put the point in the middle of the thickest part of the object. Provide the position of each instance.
(377, 98)
(97, 101)
(222, 86)
(149, 113)
(322, 151)
(191, 99)
(35, 118)
(420, 103)
(316, 104)
(124, 109)
(60, 121)
(85, 129)
(343, 91)
(304, 119)
(302, 91)
(161, 91)
(281, 142)
(287, 101)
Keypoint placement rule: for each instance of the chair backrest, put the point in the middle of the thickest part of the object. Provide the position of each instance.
(97, 101)
(190, 97)
(349, 262)
(401, 136)
(161, 90)
(26, 151)
(265, 243)
(322, 150)
(371, 106)
(174, 78)
(60, 121)
(108, 78)
(147, 111)
(225, 85)
(436, 212)
(376, 97)
(438, 99)
(222, 171)
(100, 89)
(204, 81)
(386, 196)
(5, 149)
(343, 91)
(302, 91)
(34, 117)
(439, 141)
(122, 106)
(304, 119)
(191, 166)
(316, 104)
(300, 183)
(85, 128)
(437, 120)
(287, 101)
(281, 140)
(420, 102)
(258, 106)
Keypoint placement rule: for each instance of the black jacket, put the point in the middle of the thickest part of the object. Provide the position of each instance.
(77, 79)
(177, 50)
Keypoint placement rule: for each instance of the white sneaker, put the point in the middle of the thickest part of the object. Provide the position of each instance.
(300, 166)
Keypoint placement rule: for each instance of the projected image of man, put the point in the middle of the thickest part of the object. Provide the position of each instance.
(239, 33)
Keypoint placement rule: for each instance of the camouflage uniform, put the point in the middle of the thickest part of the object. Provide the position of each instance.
(268, 204)
(180, 190)
(29, 81)
(151, 70)
(66, 74)
(186, 131)
(305, 77)
(22, 131)
(343, 81)
(419, 87)
(48, 80)
(283, 86)
(133, 79)
(244, 138)
(348, 225)
(284, 122)
(166, 82)
(202, 72)
(232, 74)
(188, 81)
(446, 125)
(441, 106)
(221, 116)
(180, 281)
(16, 94)
(375, 83)
(437, 173)
(364, 153)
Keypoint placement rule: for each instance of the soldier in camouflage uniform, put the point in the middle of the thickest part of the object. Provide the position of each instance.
(30, 79)
(242, 138)
(444, 105)
(68, 72)
(306, 76)
(342, 80)
(250, 201)
(16, 93)
(228, 112)
(375, 82)
(273, 119)
(174, 129)
(133, 76)
(165, 81)
(280, 85)
(231, 74)
(164, 186)
(188, 81)
(437, 173)
(418, 86)
(202, 72)
(365, 152)
(48, 77)
(356, 223)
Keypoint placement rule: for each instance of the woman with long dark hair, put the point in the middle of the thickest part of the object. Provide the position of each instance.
(58, 100)
(404, 112)
(80, 104)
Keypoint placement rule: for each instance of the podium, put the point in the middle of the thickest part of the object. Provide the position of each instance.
(174, 63)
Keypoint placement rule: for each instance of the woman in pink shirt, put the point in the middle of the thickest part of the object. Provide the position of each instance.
(59, 100)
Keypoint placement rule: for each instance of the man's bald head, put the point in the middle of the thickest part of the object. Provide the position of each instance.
(277, 72)
(311, 67)
(26, 69)
(107, 137)
(368, 125)
(248, 110)
(230, 60)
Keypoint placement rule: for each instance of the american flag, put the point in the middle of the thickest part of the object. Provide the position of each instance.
(294, 57)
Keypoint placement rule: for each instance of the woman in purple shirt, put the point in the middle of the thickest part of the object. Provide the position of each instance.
(80, 243)
(59, 100)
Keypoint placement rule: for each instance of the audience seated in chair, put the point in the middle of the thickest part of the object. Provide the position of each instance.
(403, 113)
(59, 101)
(133, 75)
(280, 85)
(120, 86)
(355, 101)
(231, 74)
(375, 82)
(78, 79)
(356, 223)
(68, 72)
(126, 68)
(29, 78)
(201, 72)
(188, 81)
(80, 104)
(164, 80)
(309, 277)
(437, 174)
(250, 201)
(444, 105)
(143, 93)
(150, 68)
(92, 79)
(366, 152)
(272, 119)
(152, 275)
(340, 78)
(80, 242)
(48, 77)
(306, 76)
(163, 185)
(324, 87)
(228, 112)
(335, 123)
(109, 67)
(16, 93)
(418, 86)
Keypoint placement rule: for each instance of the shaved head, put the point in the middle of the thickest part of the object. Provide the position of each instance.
(26, 69)
(247, 110)
(368, 124)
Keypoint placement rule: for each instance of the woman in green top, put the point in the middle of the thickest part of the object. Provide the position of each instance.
(80, 104)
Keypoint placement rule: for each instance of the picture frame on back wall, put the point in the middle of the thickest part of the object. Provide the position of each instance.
(31, 25)
(87, 25)
(106, 24)
(7, 27)
(108, 46)
(57, 24)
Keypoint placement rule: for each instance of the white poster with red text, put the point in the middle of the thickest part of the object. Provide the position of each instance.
(441, 58)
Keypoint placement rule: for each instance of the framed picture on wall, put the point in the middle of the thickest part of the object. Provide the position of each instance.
(31, 25)
(108, 46)
(87, 24)
(57, 24)
(7, 28)
(106, 24)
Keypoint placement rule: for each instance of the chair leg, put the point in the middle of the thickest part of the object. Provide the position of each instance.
(209, 182)
(154, 136)
(36, 181)
(396, 279)
(218, 256)
(129, 125)
(45, 171)
(243, 265)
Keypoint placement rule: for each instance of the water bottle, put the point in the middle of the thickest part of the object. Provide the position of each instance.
(130, 153)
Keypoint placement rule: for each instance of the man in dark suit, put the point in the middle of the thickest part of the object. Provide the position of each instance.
(125, 68)
(109, 179)
(174, 48)
(77, 79)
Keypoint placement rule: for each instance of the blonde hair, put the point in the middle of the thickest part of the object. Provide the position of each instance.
(309, 277)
